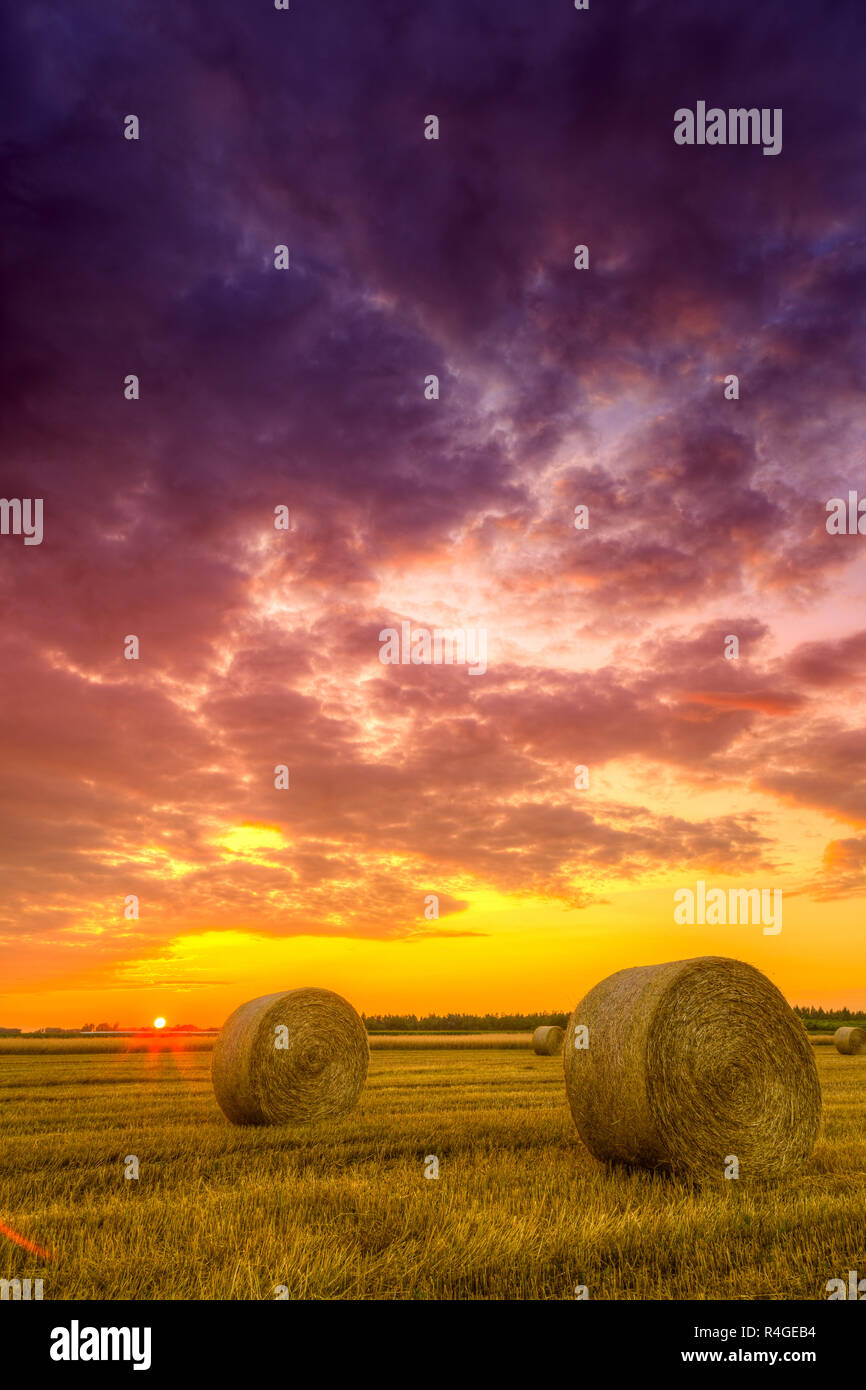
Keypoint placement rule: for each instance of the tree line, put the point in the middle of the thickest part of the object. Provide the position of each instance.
(818, 1018)
(460, 1023)
(527, 1023)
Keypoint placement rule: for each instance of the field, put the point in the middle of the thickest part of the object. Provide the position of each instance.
(519, 1210)
(85, 1047)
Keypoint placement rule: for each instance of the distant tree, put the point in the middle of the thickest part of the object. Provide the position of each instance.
(461, 1023)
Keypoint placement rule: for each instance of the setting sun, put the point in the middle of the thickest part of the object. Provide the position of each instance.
(159, 1023)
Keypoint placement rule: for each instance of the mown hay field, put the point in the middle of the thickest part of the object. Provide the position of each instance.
(86, 1047)
(519, 1209)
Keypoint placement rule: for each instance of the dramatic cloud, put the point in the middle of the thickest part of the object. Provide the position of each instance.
(260, 388)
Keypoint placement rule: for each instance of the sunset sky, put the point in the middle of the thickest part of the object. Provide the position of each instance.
(304, 388)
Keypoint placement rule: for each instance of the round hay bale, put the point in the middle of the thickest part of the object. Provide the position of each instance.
(850, 1041)
(688, 1063)
(292, 1058)
(547, 1040)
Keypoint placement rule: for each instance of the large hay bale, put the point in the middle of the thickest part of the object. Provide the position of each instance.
(850, 1041)
(691, 1062)
(547, 1040)
(291, 1058)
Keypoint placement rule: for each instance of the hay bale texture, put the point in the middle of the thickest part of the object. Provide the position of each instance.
(850, 1041)
(547, 1040)
(690, 1062)
(292, 1058)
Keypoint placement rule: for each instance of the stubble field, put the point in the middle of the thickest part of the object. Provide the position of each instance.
(519, 1209)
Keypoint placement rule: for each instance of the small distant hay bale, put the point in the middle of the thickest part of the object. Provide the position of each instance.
(292, 1058)
(547, 1040)
(689, 1063)
(850, 1041)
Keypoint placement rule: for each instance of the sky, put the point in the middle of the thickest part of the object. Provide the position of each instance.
(307, 388)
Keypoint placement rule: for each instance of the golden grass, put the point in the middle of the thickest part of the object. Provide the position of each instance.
(520, 1209)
